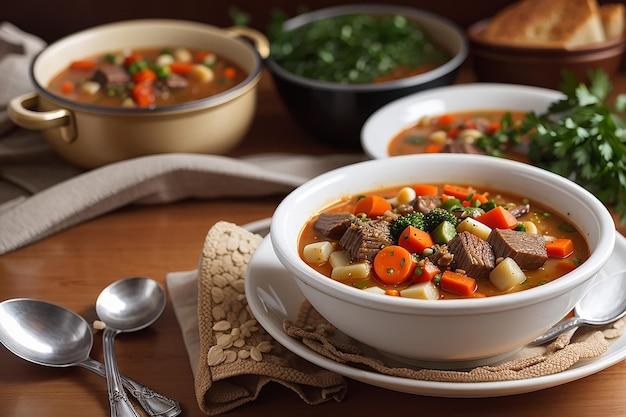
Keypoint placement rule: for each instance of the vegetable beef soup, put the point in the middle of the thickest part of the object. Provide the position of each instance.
(150, 77)
(492, 132)
(441, 241)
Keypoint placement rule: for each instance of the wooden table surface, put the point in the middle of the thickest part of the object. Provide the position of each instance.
(72, 267)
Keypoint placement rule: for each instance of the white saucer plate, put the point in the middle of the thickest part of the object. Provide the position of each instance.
(273, 295)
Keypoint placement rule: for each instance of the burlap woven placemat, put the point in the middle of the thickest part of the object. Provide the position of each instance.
(238, 357)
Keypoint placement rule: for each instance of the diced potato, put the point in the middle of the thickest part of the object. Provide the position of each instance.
(202, 73)
(424, 291)
(404, 196)
(375, 290)
(339, 258)
(506, 275)
(182, 55)
(475, 227)
(438, 136)
(318, 252)
(358, 270)
(469, 135)
(164, 60)
(531, 227)
(90, 87)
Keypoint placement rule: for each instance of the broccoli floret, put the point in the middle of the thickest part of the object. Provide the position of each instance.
(397, 226)
(436, 216)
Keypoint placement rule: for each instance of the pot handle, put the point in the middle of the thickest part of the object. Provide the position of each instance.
(259, 40)
(21, 112)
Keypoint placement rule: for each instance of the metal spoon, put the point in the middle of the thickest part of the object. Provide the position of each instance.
(48, 334)
(124, 306)
(604, 302)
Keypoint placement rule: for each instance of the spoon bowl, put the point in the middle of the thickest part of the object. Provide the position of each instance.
(51, 335)
(604, 303)
(126, 305)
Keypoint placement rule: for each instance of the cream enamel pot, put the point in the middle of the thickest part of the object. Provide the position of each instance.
(90, 136)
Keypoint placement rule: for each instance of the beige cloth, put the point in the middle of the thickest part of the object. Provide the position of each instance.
(212, 309)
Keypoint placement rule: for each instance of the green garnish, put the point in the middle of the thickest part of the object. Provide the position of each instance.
(354, 48)
(583, 137)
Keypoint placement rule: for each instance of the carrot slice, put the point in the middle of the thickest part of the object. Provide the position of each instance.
(143, 95)
(433, 148)
(67, 87)
(181, 68)
(457, 283)
(565, 266)
(230, 72)
(393, 264)
(425, 271)
(83, 65)
(498, 218)
(415, 240)
(559, 248)
(425, 189)
(463, 193)
(144, 76)
(392, 292)
(372, 205)
(446, 119)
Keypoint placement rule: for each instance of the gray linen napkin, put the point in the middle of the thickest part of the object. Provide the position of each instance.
(41, 194)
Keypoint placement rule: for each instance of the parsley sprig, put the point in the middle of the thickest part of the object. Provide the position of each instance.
(583, 137)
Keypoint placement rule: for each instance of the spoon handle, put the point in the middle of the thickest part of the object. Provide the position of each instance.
(120, 405)
(556, 330)
(153, 403)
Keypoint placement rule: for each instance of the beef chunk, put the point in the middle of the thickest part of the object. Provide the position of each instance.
(334, 225)
(527, 249)
(364, 239)
(425, 203)
(111, 76)
(176, 81)
(520, 210)
(472, 254)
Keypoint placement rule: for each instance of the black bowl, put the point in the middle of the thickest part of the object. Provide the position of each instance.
(336, 112)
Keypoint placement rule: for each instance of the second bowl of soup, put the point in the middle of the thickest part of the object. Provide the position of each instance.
(143, 87)
(437, 120)
(445, 259)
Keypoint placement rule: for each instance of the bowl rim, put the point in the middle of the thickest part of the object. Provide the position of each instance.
(244, 86)
(475, 30)
(373, 146)
(449, 67)
(290, 258)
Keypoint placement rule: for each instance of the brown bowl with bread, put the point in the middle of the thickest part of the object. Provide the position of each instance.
(533, 41)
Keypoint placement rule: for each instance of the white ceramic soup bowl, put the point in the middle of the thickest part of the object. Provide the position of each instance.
(444, 333)
(391, 119)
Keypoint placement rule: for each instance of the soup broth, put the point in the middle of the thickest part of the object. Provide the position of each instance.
(529, 218)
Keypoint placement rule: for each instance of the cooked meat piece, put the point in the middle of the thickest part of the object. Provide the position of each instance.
(527, 249)
(520, 210)
(425, 203)
(111, 76)
(176, 81)
(364, 239)
(472, 254)
(441, 257)
(459, 146)
(334, 225)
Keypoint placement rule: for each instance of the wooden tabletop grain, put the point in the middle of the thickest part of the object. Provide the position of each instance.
(72, 267)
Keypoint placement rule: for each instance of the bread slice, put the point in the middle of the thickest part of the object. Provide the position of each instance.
(554, 23)
(612, 17)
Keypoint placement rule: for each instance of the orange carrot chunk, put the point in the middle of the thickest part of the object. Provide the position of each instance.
(565, 266)
(372, 205)
(425, 189)
(457, 283)
(144, 76)
(559, 248)
(393, 264)
(143, 95)
(181, 68)
(415, 240)
(463, 193)
(83, 65)
(67, 87)
(425, 271)
(433, 148)
(498, 218)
